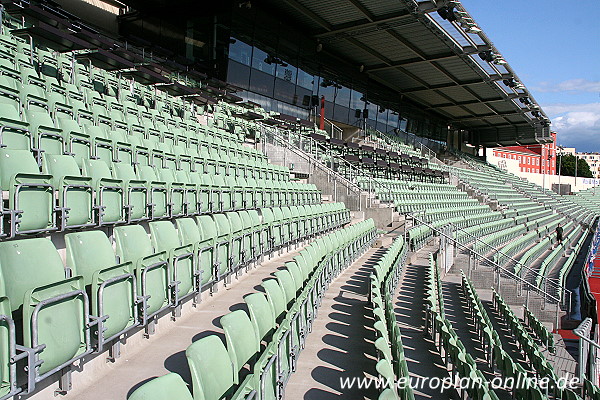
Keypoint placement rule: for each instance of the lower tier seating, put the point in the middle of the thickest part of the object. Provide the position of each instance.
(54, 313)
(262, 345)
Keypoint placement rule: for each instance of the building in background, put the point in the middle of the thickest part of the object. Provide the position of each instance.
(537, 158)
(593, 160)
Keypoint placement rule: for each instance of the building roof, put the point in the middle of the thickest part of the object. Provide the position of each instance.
(518, 149)
(407, 46)
(429, 65)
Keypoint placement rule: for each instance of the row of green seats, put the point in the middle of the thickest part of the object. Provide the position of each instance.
(539, 329)
(457, 360)
(262, 345)
(63, 198)
(391, 365)
(531, 349)
(69, 311)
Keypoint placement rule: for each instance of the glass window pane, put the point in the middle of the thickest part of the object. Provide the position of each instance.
(343, 97)
(259, 63)
(240, 52)
(305, 79)
(287, 73)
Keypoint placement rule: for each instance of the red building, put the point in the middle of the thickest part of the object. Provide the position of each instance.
(536, 158)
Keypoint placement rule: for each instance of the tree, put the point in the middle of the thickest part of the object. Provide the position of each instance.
(567, 166)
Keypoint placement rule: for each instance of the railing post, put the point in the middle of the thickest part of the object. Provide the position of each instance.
(335, 190)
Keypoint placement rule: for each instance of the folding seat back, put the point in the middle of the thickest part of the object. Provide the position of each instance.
(152, 269)
(239, 253)
(53, 308)
(183, 268)
(288, 232)
(136, 192)
(102, 145)
(189, 234)
(238, 192)
(250, 195)
(223, 244)
(157, 191)
(225, 200)
(276, 296)
(210, 367)
(169, 386)
(112, 285)
(208, 195)
(261, 235)
(177, 191)
(296, 273)
(110, 196)
(31, 195)
(46, 136)
(261, 314)
(250, 239)
(75, 198)
(241, 340)
(77, 143)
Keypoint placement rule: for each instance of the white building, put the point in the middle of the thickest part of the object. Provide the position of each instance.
(593, 160)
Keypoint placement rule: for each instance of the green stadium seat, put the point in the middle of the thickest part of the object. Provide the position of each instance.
(15, 133)
(136, 192)
(45, 136)
(169, 386)
(177, 192)
(243, 346)
(56, 327)
(158, 193)
(30, 194)
(223, 245)
(113, 287)
(185, 275)
(75, 192)
(152, 269)
(110, 193)
(241, 340)
(190, 234)
(212, 371)
(77, 143)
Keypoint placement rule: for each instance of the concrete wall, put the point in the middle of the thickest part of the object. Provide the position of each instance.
(545, 181)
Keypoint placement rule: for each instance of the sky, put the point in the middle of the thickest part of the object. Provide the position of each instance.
(554, 48)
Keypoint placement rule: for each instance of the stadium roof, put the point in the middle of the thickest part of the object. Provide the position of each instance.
(427, 59)
(408, 47)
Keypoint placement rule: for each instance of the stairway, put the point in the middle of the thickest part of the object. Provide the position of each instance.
(340, 344)
(422, 356)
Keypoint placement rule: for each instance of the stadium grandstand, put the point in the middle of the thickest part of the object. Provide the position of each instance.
(280, 199)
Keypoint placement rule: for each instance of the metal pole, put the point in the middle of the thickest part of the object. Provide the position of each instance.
(576, 162)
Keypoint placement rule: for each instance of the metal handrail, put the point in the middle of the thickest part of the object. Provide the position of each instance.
(529, 286)
(516, 262)
(518, 278)
(334, 126)
(350, 186)
(357, 172)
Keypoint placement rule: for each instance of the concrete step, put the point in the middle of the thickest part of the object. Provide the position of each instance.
(340, 344)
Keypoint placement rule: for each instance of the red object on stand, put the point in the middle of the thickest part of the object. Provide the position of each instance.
(322, 121)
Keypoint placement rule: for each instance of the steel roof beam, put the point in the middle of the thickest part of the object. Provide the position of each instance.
(410, 61)
(332, 31)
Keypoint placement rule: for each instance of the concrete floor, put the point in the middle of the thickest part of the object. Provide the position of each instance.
(341, 342)
(165, 351)
(423, 358)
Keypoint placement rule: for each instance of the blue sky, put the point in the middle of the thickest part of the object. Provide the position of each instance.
(554, 47)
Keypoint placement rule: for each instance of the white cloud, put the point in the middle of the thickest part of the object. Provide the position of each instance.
(571, 85)
(578, 125)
